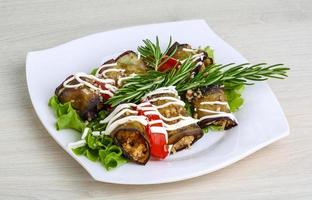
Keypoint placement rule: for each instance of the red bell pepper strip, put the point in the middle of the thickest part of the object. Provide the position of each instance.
(156, 132)
(168, 65)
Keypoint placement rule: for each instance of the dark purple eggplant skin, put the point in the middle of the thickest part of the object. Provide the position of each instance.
(192, 130)
(136, 133)
(206, 122)
(212, 93)
(181, 55)
(86, 102)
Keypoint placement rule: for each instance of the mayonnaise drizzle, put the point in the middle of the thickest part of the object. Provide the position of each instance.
(115, 124)
(85, 133)
(117, 110)
(210, 111)
(82, 82)
(216, 114)
(183, 120)
(120, 114)
(111, 70)
(180, 103)
(189, 50)
(186, 122)
(120, 80)
(105, 66)
(229, 115)
(96, 133)
(75, 145)
(215, 102)
(162, 90)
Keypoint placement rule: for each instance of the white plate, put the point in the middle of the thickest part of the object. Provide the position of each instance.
(261, 120)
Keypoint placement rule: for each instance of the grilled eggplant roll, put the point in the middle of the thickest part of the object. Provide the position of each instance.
(122, 68)
(183, 51)
(87, 93)
(128, 131)
(87, 102)
(182, 129)
(211, 107)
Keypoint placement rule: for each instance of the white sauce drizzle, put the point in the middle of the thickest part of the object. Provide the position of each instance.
(115, 124)
(164, 98)
(120, 114)
(81, 82)
(111, 70)
(216, 114)
(120, 80)
(210, 111)
(183, 120)
(186, 122)
(111, 87)
(104, 66)
(96, 133)
(189, 50)
(163, 90)
(75, 145)
(229, 115)
(117, 110)
(139, 55)
(158, 129)
(158, 121)
(180, 103)
(170, 147)
(85, 133)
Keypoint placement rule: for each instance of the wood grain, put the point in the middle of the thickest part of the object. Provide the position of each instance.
(33, 166)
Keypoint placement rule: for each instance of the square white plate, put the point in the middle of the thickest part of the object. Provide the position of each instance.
(261, 120)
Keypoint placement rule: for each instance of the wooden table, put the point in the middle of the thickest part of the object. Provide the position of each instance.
(33, 166)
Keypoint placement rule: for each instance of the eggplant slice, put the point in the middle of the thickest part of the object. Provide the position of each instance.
(211, 107)
(131, 137)
(183, 51)
(129, 62)
(183, 137)
(88, 102)
(85, 101)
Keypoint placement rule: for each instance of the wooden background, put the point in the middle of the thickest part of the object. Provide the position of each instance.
(33, 166)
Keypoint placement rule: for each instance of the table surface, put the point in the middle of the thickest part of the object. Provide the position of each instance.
(33, 166)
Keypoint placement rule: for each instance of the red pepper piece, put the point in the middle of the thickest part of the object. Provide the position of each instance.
(168, 65)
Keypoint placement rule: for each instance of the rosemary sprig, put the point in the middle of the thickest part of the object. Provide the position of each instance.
(230, 74)
(152, 54)
(183, 79)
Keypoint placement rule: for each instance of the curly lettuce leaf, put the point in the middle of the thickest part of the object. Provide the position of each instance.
(95, 124)
(93, 71)
(209, 51)
(234, 96)
(67, 117)
(111, 157)
(101, 148)
(213, 128)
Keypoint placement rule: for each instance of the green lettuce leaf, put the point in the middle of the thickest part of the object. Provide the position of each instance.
(234, 96)
(67, 117)
(93, 71)
(101, 148)
(213, 128)
(209, 51)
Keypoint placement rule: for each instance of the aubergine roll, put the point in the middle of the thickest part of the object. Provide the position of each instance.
(182, 129)
(125, 66)
(128, 131)
(211, 107)
(184, 51)
(85, 94)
